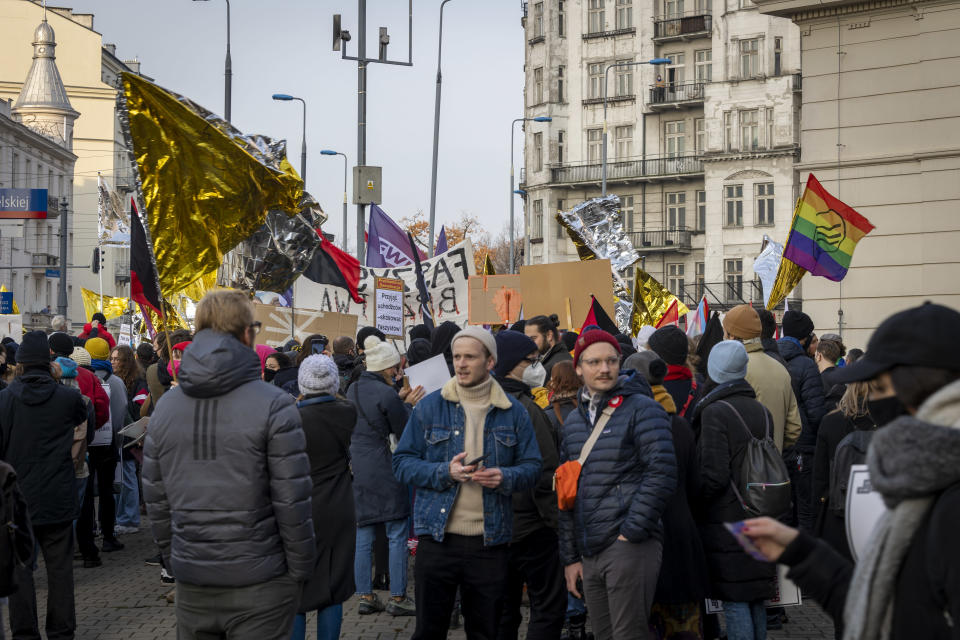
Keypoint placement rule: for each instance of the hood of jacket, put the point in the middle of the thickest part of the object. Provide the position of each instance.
(33, 387)
(723, 391)
(790, 348)
(498, 397)
(216, 363)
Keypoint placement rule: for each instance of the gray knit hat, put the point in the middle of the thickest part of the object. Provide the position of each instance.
(318, 375)
(481, 335)
(727, 362)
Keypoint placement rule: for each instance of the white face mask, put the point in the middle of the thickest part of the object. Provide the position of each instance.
(534, 375)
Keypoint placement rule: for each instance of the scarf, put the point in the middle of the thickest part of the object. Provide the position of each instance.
(911, 461)
(102, 365)
(661, 395)
(678, 372)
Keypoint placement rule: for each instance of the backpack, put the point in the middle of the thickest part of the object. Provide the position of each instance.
(764, 480)
(16, 533)
(850, 451)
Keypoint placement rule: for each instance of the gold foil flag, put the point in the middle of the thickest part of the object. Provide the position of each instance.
(112, 307)
(650, 301)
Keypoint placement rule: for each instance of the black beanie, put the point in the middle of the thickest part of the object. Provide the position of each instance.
(419, 331)
(512, 347)
(569, 340)
(670, 343)
(797, 324)
(61, 344)
(34, 349)
(366, 332)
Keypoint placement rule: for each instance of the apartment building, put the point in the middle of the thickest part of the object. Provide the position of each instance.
(700, 150)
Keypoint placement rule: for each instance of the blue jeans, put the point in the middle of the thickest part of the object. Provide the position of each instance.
(328, 624)
(746, 620)
(363, 561)
(128, 502)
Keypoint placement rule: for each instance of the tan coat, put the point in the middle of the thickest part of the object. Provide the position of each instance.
(771, 382)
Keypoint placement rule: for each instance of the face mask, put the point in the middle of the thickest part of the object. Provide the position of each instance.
(534, 375)
(173, 366)
(268, 374)
(885, 410)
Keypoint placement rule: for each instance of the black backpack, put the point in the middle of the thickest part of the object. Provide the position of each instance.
(764, 481)
(16, 533)
(850, 451)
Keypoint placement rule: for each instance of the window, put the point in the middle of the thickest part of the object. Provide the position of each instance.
(595, 72)
(700, 275)
(777, 56)
(536, 232)
(674, 133)
(704, 65)
(768, 116)
(675, 278)
(729, 144)
(595, 17)
(675, 68)
(700, 133)
(703, 6)
(538, 152)
(673, 8)
(624, 14)
(561, 20)
(560, 139)
(594, 142)
(676, 210)
(538, 85)
(733, 203)
(624, 79)
(561, 232)
(750, 129)
(560, 79)
(15, 171)
(538, 20)
(733, 274)
(749, 58)
(764, 195)
(28, 174)
(701, 210)
(626, 212)
(624, 142)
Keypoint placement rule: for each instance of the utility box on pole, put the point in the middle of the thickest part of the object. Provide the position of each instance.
(366, 185)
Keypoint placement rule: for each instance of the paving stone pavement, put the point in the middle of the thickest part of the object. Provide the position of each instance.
(124, 600)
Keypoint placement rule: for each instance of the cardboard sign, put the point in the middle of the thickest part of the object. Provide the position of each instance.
(388, 306)
(564, 288)
(495, 299)
(275, 324)
(864, 507)
(786, 593)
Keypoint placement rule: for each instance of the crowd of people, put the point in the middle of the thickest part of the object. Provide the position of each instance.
(598, 477)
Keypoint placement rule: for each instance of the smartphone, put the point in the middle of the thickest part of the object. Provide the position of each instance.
(317, 347)
(477, 461)
(406, 382)
(736, 530)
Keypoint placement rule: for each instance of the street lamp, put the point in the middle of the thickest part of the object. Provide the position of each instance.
(436, 134)
(630, 63)
(303, 145)
(227, 69)
(329, 152)
(513, 266)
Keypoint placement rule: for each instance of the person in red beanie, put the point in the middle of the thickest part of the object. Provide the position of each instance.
(611, 540)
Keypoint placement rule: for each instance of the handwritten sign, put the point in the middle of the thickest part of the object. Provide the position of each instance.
(388, 306)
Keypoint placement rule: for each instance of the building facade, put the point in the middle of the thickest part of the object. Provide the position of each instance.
(89, 69)
(700, 150)
(881, 131)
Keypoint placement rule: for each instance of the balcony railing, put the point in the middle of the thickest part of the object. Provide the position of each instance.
(683, 27)
(798, 82)
(723, 296)
(121, 272)
(45, 260)
(671, 94)
(651, 168)
(678, 239)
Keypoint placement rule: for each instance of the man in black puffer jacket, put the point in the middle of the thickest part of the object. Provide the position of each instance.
(611, 539)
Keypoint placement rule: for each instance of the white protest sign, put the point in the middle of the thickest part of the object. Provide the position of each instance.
(447, 277)
(126, 335)
(11, 324)
(431, 374)
(786, 593)
(864, 508)
(388, 303)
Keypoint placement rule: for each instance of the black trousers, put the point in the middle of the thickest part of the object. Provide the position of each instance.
(459, 561)
(800, 466)
(103, 464)
(56, 543)
(535, 561)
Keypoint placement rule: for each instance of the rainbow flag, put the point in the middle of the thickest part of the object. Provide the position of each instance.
(824, 233)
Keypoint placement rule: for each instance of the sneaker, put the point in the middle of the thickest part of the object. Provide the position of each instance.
(153, 561)
(111, 544)
(370, 604)
(121, 529)
(165, 577)
(92, 562)
(404, 607)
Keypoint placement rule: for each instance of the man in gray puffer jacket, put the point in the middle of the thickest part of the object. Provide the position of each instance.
(227, 484)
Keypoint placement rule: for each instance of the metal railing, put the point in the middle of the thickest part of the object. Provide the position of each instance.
(45, 260)
(121, 271)
(682, 92)
(627, 169)
(798, 82)
(676, 27)
(53, 207)
(723, 296)
(679, 239)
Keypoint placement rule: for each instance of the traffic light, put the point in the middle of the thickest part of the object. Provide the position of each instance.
(99, 260)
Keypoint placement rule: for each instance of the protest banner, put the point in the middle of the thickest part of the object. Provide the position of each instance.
(495, 299)
(446, 275)
(275, 324)
(388, 306)
(564, 288)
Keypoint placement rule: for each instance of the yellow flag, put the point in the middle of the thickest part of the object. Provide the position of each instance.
(3, 289)
(488, 269)
(198, 288)
(650, 301)
(112, 307)
(206, 188)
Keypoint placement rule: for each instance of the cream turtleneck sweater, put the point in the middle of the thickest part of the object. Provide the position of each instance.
(466, 519)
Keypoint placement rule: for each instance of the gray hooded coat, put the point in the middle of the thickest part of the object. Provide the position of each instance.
(226, 477)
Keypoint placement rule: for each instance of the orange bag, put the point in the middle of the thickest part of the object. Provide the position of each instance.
(566, 479)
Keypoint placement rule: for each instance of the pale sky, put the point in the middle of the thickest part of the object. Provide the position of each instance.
(284, 46)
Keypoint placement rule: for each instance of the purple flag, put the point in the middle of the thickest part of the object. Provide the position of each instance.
(441, 242)
(387, 244)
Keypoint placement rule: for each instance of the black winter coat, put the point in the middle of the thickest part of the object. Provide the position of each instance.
(328, 423)
(37, 419)
(734, 576)
(831, 392)
(557, 353)
(807, 386)
(286, 379)
(682, 390)
(378, 495)
(771, 349)
(629, 477)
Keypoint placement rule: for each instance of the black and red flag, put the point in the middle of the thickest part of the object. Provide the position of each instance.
(597, 317)
(334, 267)
(144, 288)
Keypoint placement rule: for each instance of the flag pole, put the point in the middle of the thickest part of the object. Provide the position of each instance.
(99, 234)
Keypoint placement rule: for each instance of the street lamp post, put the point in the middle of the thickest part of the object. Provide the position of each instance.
(603, 156)
(303, 144)
(436, 134)
(227, 69)
(329, 152)
(513, 260)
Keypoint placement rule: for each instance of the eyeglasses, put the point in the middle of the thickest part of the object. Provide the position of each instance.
(256, 327)
(532, 360)
(596, 362)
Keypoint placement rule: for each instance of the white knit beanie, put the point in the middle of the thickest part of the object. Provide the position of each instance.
(379, 355)
(318, 374)
(481, 335)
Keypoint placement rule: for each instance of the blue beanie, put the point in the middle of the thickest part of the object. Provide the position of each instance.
(512, 347)
(727, 361)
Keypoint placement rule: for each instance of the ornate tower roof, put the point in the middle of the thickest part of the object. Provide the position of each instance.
(43, 87)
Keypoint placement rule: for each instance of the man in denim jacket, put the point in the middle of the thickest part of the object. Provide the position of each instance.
(463, 512)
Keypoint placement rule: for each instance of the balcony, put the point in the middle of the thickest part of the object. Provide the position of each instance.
(42, 261)
(683, 28)
(53, 207)
(665, 240)
(798, 83)
(723, 296)
(638, 170)
(121, 272)
(626, 31)
(676, 96)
